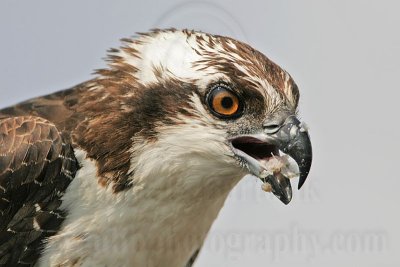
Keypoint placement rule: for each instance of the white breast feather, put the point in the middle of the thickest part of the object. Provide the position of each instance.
(162, 220)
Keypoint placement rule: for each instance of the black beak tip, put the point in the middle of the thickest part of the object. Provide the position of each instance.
(302, 180)
(284, 193)
(281, 187)
(304, 171)
(285, 200)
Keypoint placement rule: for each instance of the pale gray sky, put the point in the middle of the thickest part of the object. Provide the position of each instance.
(344, 55)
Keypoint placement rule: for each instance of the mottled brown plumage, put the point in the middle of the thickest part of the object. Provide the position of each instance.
(36, 166)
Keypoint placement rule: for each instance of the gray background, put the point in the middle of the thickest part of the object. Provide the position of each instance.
(344, 56)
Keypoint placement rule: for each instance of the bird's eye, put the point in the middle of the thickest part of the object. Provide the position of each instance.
(223, 102)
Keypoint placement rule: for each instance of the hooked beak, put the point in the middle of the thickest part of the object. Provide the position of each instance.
(258, 150)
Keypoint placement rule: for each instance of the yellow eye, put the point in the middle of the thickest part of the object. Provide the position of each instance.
(224, 102)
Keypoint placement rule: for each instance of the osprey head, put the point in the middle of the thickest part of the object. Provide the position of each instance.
(209, 104)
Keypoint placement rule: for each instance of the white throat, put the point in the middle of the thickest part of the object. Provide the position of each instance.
(161, 221)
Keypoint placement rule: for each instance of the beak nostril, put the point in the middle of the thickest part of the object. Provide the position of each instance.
(271, 128)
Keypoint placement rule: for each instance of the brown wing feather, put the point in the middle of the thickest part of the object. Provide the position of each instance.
(37, 164)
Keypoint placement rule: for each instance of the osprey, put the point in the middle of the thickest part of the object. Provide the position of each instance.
(132, 167)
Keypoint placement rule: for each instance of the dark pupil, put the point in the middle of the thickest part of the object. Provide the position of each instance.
(226, 102)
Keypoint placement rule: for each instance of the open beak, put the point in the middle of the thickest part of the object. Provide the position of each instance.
(258, 150)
